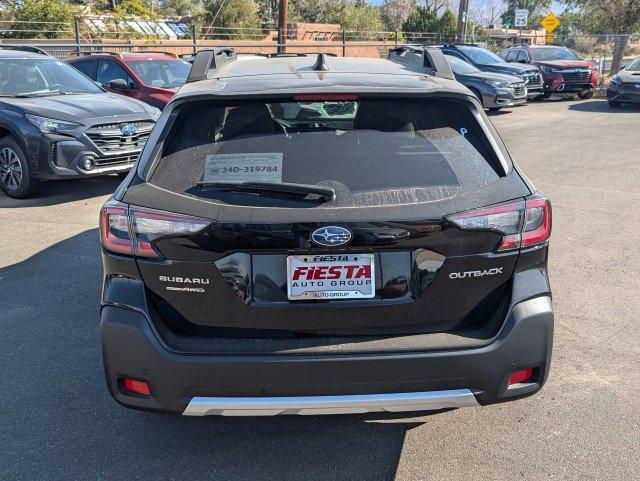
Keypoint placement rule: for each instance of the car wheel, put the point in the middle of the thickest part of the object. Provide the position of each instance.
(614, 104)
(586, 95)
(15, 175)
(545, 95)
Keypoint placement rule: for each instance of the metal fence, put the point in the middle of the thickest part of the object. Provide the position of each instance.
(63, 40)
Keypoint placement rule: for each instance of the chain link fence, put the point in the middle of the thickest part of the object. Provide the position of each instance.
(63, 40)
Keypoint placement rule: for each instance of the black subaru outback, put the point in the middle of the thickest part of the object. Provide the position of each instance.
(311, 235)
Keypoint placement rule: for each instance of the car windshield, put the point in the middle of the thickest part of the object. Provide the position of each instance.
(369, 151)
(34, 77)
(171, 73)
(460, 66)
(481, 56)
(550, 53)
(634, 66)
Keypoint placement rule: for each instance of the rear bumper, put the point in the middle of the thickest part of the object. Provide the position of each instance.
(196, 384)
(342, 404)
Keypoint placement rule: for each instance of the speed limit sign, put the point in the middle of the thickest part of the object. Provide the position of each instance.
(521, 17)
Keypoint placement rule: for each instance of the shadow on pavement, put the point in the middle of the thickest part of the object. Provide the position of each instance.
(61, 191)
(64, 425)
(602, 106)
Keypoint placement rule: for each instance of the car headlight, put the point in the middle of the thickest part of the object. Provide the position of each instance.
(497, 83)
(48, 126)
(548, 70)
(615, 80)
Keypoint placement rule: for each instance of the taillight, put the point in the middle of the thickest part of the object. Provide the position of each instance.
(132, 230)
(521, 223)
(537, 220)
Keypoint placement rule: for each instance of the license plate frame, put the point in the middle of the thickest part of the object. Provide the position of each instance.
(358, 283)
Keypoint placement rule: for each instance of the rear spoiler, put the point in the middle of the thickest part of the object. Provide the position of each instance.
(208, 61)
(428, 59)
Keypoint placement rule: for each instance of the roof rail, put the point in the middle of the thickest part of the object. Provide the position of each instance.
(24, 48)
(153, 51)
(426, 58)
(94, 52)
(206, 61)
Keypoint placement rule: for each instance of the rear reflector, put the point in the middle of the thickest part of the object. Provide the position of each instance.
(132, 230)
(522, 224)
(137, 387)
(521, 376)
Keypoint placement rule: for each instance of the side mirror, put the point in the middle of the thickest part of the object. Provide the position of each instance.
(119, 84)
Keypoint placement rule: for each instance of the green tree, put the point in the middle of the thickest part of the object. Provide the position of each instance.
(361, 18)
(135, 8)
(242, 15)
(179, 8)
(55, 17)
(316, 11)
(421, 19)
(447, 25)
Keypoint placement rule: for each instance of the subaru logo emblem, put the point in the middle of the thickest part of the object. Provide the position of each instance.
(331, 236)
(128, 129)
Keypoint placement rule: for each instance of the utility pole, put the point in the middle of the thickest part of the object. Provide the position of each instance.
(283, 13)
(462, 20)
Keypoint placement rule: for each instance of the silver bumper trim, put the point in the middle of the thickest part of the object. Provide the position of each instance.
(317, 405)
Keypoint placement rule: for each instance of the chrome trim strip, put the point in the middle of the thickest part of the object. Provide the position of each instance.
(317, 405)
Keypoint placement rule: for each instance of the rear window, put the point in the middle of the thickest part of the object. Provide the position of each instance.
(370, 151)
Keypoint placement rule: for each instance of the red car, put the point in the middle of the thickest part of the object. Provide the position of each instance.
(153, 77)
(562, 70)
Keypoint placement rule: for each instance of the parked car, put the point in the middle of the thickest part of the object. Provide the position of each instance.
(55, 123)
(487, 61)
(494, 91)
(153, 77)
(562, 70)
(624, 87)
(344, 235)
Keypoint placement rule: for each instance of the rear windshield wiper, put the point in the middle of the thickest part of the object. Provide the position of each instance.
(324, 192)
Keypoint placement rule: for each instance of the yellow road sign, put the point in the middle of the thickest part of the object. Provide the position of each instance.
(548, 38)
(550, 22)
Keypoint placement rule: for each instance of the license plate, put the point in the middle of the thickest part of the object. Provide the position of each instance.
(331, 276)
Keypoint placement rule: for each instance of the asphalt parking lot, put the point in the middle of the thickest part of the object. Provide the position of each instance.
(57, 421)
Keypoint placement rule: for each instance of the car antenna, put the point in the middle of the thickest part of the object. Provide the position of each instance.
(320, 64)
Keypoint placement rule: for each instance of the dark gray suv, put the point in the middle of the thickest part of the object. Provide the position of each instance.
(55, 123)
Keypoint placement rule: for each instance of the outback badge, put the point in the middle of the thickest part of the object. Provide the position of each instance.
(331, 236)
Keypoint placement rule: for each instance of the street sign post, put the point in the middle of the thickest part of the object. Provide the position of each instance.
(521, 17)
